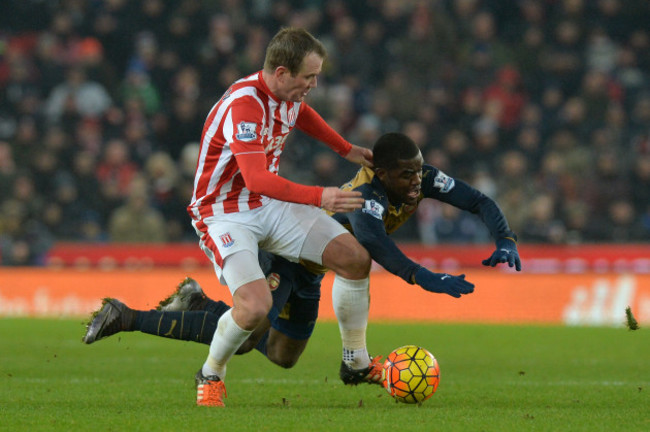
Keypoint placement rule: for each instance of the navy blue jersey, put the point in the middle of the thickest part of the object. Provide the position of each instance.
(296, 287)
(378, 218)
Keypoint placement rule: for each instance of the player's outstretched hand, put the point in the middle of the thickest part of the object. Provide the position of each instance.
(340, 201)
(443, 283)
(360, 155)
(506, 252)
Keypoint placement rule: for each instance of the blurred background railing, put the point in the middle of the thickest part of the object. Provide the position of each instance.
(559, 285)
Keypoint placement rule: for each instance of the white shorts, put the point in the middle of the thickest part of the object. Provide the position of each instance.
(293, 231)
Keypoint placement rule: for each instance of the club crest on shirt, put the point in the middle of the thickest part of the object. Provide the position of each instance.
(226, 240)
(246, 131)
(373, 208)
(443, 182)
(273, 280)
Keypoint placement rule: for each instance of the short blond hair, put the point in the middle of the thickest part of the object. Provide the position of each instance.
(289, 47)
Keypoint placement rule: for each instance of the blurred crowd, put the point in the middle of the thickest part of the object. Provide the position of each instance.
(543, 105)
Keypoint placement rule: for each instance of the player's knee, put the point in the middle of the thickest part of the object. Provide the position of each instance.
(358, 265)
(253, 315)
(251, 305)
(249, 315)
(364, 262)
(348, 258)
(283, 350)
(283, 359)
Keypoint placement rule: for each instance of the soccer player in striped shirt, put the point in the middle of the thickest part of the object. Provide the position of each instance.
(240, 204)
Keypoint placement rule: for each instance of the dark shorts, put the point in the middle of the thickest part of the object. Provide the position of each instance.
(296, 294)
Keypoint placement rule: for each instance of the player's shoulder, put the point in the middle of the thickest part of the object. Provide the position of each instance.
(249, 89)
(428, 170)
(436, 179)
(365, 182)
(252, 80)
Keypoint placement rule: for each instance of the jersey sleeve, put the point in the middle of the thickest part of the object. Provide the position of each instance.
(261, 181)
(368, 227)
(310, 122)
(438, 185)
(242, 128)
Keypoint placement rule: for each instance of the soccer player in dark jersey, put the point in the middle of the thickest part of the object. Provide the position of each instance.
(392, 191)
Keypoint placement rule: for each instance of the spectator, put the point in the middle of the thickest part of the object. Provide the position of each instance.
(618, 224)
(115, 170)
(24, 241)
(77, 95)
(610, 171)
(167, 194)
(64, 214)
(138, 85)
(562, 59)
(541, 225)
(137, 221)
(641, 182)
(8, 169)
(507, 92)
(443, 223)
(84, 166)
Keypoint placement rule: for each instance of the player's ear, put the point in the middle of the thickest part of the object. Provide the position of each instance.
(381, 173)
(281, 72)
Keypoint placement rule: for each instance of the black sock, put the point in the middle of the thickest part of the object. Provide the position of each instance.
(216, 307)
(196, 326)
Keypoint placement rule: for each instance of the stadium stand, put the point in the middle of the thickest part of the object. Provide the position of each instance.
(542, 104)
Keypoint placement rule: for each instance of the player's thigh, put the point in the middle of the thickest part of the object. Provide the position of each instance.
(293, 327)
(224, 236)
(301, 232)
(347, 257)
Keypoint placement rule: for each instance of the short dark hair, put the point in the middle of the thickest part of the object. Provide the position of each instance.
(289, 47)
(392, 147)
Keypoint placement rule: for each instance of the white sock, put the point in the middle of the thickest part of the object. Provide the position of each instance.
(228, 337)
(351, 301)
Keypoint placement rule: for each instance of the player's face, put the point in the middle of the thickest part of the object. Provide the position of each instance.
(403, 183)
(295, 88)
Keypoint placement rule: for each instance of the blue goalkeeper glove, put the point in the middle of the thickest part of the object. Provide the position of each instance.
(506, 252)
(443, 283)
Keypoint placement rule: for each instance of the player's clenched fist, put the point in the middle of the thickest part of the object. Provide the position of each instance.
(340, 201)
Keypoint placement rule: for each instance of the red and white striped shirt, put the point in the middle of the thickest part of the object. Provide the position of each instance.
(243, 137)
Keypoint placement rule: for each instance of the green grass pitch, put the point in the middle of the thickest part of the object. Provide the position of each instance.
(493, 378)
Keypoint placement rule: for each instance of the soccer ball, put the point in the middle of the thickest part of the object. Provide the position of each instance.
(411, 374)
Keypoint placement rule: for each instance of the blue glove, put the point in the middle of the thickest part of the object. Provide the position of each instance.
(443, 283)
(506, 252)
